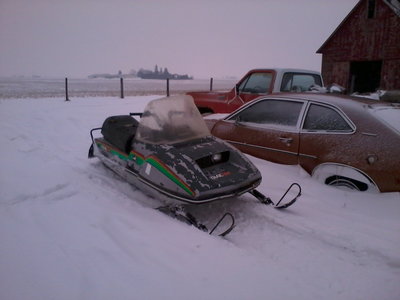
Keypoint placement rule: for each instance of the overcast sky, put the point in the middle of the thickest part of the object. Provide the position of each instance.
(203, 38)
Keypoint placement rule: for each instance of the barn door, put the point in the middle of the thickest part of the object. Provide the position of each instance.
(365, 76)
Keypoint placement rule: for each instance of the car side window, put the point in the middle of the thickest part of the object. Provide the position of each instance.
(298, 82)
(256, 83)
(273, 112)
(325, 118)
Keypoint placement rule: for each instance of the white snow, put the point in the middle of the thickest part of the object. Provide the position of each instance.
(71, 229)
(389, 115)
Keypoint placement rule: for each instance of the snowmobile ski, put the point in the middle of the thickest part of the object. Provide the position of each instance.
(283, 202)
(178, 212)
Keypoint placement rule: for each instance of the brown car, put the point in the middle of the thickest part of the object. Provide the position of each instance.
(340, 140)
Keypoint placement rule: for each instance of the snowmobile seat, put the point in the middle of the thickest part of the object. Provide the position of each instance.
(120, 131)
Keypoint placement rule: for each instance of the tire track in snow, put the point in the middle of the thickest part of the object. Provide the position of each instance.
(57, 192)
(249, 213)
(295, 227)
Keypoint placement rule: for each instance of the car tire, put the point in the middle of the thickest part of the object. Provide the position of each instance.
(344, 176)
(346, 183)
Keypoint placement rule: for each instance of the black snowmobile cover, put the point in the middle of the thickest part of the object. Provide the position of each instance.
(119, 131)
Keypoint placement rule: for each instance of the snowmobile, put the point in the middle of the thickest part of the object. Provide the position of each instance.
(170, 155)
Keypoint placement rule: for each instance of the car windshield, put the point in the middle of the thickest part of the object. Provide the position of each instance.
(390, 115)
(171, 120)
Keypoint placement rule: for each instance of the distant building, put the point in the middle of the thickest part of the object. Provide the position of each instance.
(156, 74)
(363, 53)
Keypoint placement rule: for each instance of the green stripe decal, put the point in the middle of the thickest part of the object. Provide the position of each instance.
(168, 172)
(139, 159)
(113, 151)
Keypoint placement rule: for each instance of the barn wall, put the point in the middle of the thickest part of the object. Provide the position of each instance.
(335, 71)
(391, 75)
(363, 39)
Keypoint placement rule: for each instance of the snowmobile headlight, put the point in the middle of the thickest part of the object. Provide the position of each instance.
(213, 159)
(216, 158)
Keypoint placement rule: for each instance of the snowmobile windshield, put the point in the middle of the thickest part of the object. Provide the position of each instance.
(171, 120)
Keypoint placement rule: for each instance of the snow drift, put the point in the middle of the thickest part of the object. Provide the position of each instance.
(71, 229)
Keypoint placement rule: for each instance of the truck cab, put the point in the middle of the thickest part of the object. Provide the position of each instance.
(255, 83)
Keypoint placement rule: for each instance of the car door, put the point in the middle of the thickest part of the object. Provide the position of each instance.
(267, 129)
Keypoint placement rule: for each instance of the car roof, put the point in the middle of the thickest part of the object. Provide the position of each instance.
(286, 70)
(341, 101)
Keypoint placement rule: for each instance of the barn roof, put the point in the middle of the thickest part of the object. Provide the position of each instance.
(393, 4)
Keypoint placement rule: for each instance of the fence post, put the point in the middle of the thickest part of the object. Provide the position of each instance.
(211, 84)
(122, 87)
(167, 87)
(66, 89)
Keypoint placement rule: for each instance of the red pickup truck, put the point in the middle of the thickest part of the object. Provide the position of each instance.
(256, 83)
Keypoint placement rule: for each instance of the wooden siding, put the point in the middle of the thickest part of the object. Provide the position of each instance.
(359, 38)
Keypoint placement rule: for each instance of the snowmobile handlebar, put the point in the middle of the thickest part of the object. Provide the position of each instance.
(91, 132)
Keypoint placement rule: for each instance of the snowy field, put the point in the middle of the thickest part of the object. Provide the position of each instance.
(16, 87)
(71, 229)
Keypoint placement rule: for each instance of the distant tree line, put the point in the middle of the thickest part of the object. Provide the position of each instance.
(143, 73)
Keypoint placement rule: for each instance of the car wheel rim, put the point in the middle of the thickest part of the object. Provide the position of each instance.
(343, 183)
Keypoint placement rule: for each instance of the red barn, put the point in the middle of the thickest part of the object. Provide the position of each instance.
(363, 53)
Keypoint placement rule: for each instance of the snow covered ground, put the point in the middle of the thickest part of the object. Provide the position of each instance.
(71, 229)
(16, 87)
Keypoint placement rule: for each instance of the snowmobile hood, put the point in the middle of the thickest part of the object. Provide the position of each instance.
(172, 152)
(199, 169)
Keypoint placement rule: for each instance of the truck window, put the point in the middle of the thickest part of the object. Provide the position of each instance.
(297, 82)
(256, 83)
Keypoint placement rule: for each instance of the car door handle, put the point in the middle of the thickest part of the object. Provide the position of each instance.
(286, 140)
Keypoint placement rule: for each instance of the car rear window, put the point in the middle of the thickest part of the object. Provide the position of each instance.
(299, 82)
(323, 118)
